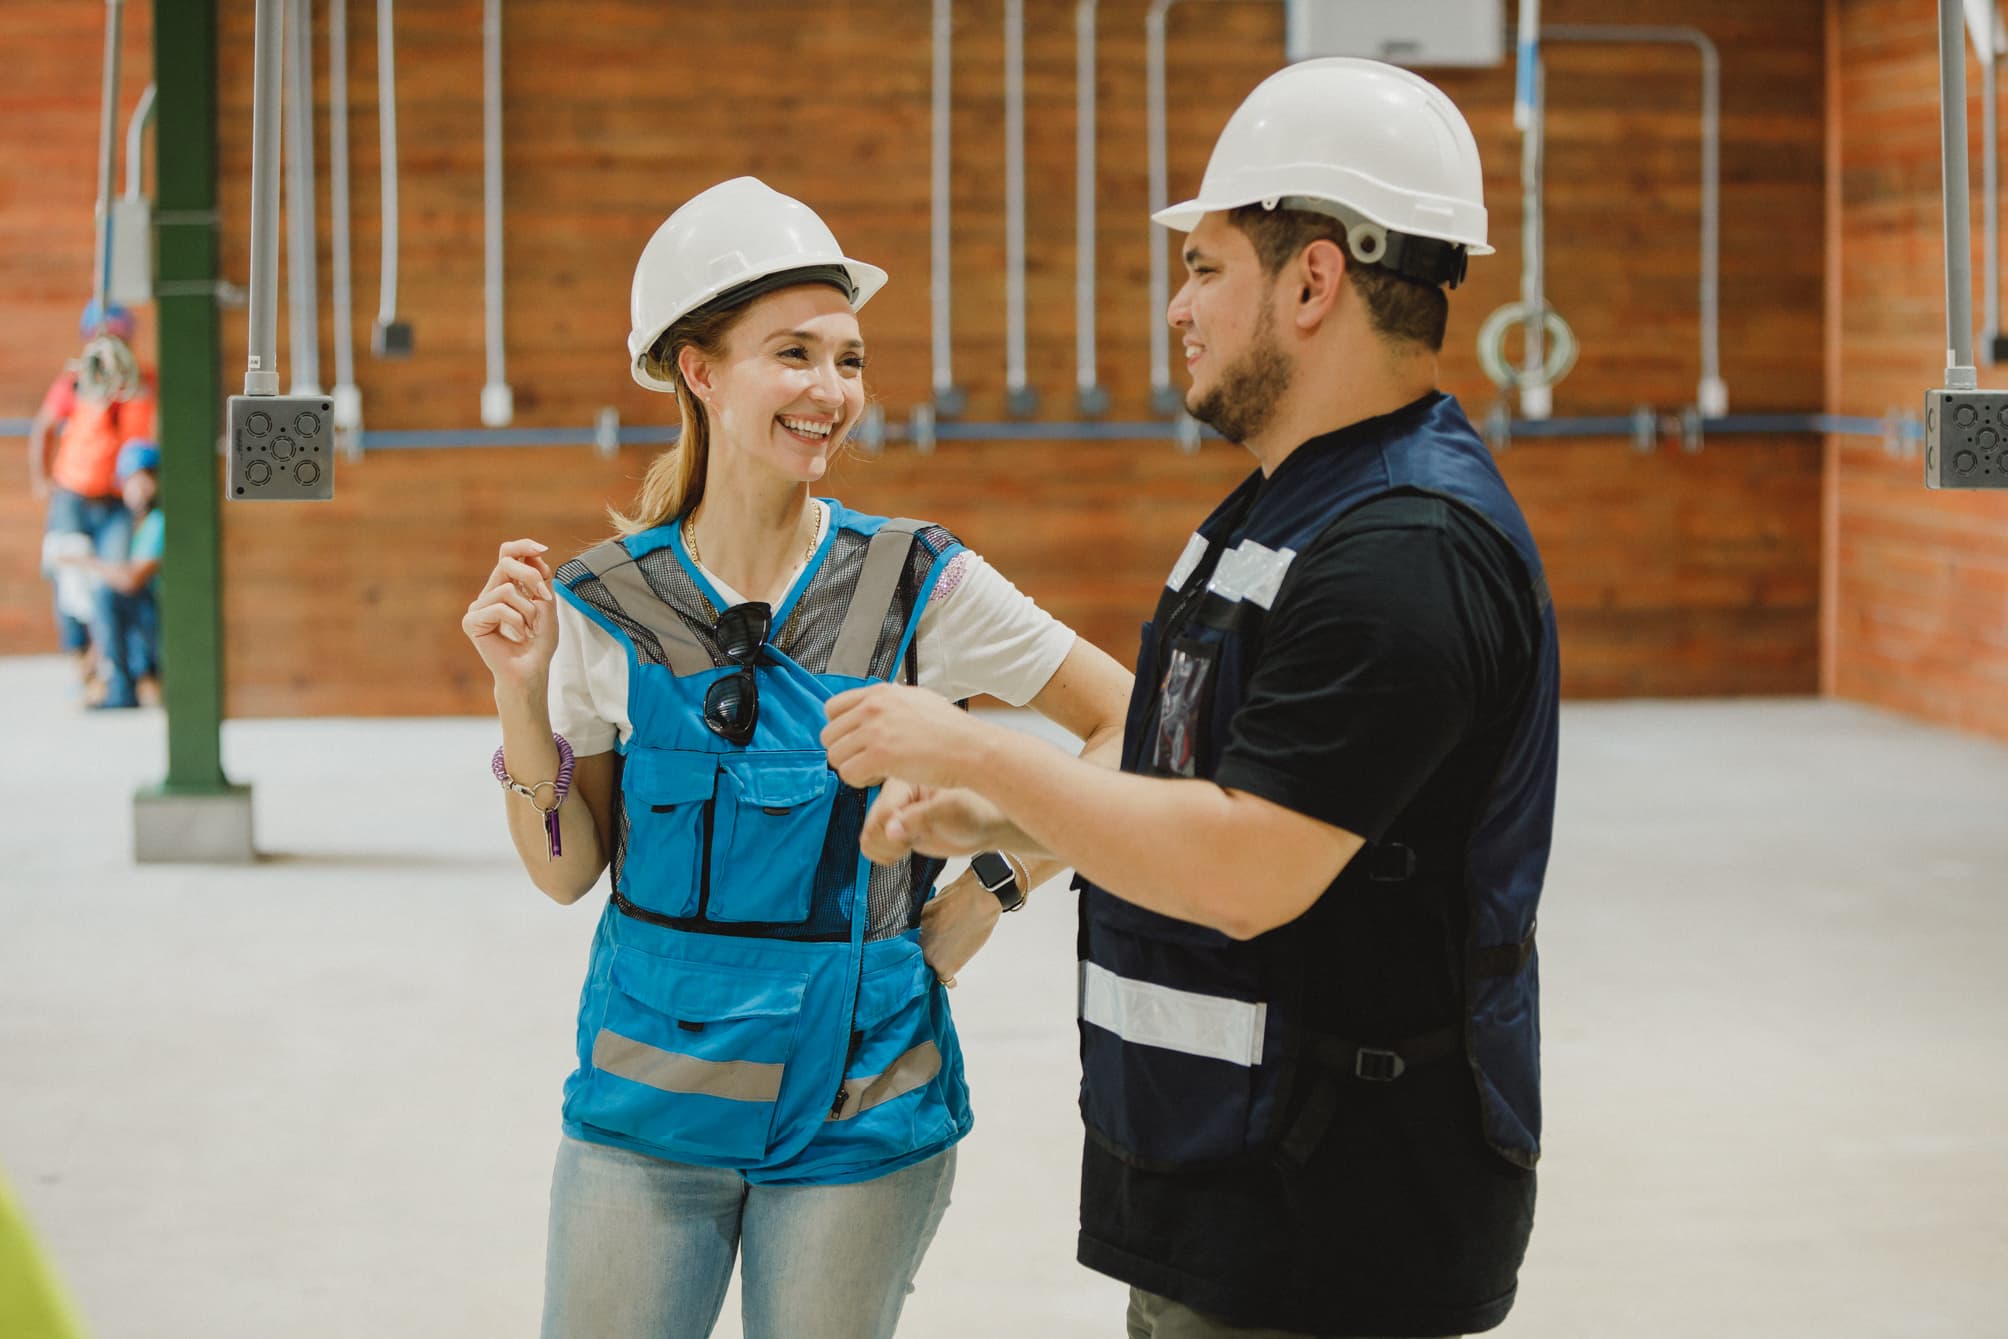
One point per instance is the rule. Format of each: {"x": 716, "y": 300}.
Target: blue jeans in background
{"x": 126, "y": 630}
{"x": 641, "y": 1248}
{"x": 108, "y": 523}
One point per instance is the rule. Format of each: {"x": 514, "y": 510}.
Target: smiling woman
{"x": 767, "y": 1063}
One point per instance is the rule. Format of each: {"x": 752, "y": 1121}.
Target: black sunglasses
{"x": 732, "y": 703}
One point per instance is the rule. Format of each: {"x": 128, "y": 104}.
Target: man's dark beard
{"x": 1245, "y": 397}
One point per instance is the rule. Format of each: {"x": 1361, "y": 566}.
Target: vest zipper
{"x": 704, "y": 865}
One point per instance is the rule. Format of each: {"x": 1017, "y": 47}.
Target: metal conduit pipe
{"x": 1712, "y": 393}
{"x": 261, "y": 367}
{"x": 346, "y": 397}
{"x": 302, "y": 264}
{"x": 1959, "y": 370}
{"x": 1983, "y": 26}
{"x": 108, "y": 119}
{"x": 1019, "y": 397}
{"x": 1164, "y": 397}
{"x": 1617, "y": 427}
{"x": 498, "y": 402}
{"x": 948, "y": 398}
{"x": 392, "y": 337}
{"x": 135, "y": 149}
{"x": 1090, "y": 399}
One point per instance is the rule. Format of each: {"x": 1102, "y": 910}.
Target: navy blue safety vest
{"x": 756, "y": 997}
{"x": 1198, "y": 1049}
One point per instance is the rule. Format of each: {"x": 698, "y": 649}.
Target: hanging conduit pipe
{"x": 108, "y": 115}
{"x": 1959, "y": 371}
{"x": 347, "y": 397}
{"x": 131, "y": 240}
{"x": 261, "y": 367}
{"x": 498, "y": 402}
{"x": 1089, "y": 398}
{"x": 1712, "y": 394}
{"x": 1530, "y": 114}
{"x": 135, "y": 150}
{"x": 392, "y": 337}
{"x": 948, "y": 399}
{"x": 1019, "y": 397}
{"x": 302, "y": 269}
{"x": 1983, "y": 25}
{"x": 1164, "y": 397}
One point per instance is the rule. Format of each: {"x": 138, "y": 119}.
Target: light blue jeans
{"x": 641, "y": 1248}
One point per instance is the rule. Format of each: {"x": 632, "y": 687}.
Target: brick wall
{"x": 1919, "y": 579}
{"x": 1674, "y": 574}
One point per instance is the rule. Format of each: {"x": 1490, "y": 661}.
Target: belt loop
{"x": 1378, "y": 1066}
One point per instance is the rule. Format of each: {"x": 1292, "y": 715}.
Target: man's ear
{"x": 1319, "y": 273}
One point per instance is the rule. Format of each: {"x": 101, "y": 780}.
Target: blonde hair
{"x": 675, "y": 479}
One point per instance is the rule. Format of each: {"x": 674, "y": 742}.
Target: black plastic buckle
{"x": 1377, "y": 1066}
{"x": 1391, "y": 862}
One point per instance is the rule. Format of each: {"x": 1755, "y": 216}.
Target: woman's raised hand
{"x": 513, "y": 622}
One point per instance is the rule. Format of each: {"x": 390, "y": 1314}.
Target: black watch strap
{"x": 993, "y": 871}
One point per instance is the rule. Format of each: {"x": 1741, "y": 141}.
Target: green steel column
{"x": 184, "y": 51}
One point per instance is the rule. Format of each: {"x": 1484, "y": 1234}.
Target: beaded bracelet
{"x": 559, "y": 789}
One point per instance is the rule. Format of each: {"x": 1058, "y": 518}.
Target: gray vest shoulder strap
{"x": 610, "y": 563}
{"x": 878, "y": 584}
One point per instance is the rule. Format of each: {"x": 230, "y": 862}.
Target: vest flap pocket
{"x": 773, "y": 813}
{"x": 668, "y": 776}
{"x": 777, "y": 784}
{"x": 689, "y": 1058}
{"x": 704, "y": 992}
{"x": 665, "y": 796}
{"x": 895, "y": 1055}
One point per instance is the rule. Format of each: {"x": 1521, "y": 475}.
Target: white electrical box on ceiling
{"x": 1404, "y": 32}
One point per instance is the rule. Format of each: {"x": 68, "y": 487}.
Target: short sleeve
{"x": 61, "y": 401}
{"x": 149, "y": 538}
{"x": 981, "y": 634}
{"x": 588, "y": 687}
{"x": 1376, "y": 661}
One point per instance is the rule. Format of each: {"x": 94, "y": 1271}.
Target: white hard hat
{"x": 1369, "y": 142}
{"x": 722, "y": 243}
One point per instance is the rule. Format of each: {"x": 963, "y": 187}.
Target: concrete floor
{"x": 317, "y": 1097}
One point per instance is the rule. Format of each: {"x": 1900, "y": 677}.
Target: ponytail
{"x": 675, "y": 480}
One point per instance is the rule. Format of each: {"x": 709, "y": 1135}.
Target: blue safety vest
{"x": 1199, "y": 1049}
{"x": 756, "y": 997}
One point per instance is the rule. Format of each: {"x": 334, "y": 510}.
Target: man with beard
{"x": 1308, "y": 1001}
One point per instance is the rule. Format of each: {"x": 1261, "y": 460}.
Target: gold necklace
{"x": 690, "y": 538}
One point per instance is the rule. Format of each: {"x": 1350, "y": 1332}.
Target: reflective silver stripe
{"x": 1177, "y": 1020}
{"x": 740, "y": 1080}
{"x": 609, "y": 561}
{"x": 912, "y": 1070}
{"x": 1252, "y": 572}
{"x": 1195, "y": 549}
{"x": 878, "y": 584}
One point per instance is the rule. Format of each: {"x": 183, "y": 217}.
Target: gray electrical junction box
{"x": 1965, "y": 439}
{"x": 282, "y": 448}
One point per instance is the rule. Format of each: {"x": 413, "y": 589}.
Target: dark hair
{"x": 1403, "y": 309}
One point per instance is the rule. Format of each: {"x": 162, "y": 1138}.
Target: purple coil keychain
{"x": 559, "y": 789}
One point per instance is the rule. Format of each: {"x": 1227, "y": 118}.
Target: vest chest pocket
{"x": 690, "y": 1057}
{"x": 1184, "y": 701}
{"x": 668, "y": 795}
{"x": 772, "y": 813}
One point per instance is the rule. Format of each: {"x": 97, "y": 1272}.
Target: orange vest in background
{"x": 87, "y": 452}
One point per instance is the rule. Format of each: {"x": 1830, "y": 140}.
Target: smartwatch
{"x": 993, "y": 871}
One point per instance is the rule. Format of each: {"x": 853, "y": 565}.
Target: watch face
{"x": 991, "y": 868}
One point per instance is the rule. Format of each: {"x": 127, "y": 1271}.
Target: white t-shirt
{"x": 978, "y": 634}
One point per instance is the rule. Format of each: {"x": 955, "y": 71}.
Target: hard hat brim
{"x": 866, "y": 281}
{"x": 1185, "y": 216}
